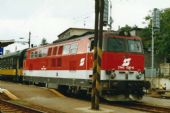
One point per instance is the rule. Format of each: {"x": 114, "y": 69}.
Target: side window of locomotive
{"x": 32, "y": 54}
{"x": 40, "y": 53}
{"x": 66, "y": 49}
{"x": 49, "y": 51}
{"x": 55, "y": 50}
{"x": 60, "y": 50}
{"x": 73, "y": 48}
{"x": 36, "y": 54}
{"x": 44, "y": 52}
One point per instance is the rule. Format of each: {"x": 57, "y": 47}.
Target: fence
{"x": 149, "y": 73}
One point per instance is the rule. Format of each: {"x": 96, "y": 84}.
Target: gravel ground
{"x": 42, "y": 97}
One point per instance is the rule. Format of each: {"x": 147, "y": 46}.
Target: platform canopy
{"x": 4, "y": 43}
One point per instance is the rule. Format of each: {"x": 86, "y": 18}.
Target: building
{"x": 73, "y": 31}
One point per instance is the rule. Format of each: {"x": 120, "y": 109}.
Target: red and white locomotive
{"x": 68, "y": 65}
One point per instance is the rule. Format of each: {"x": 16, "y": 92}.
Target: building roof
{"x": 74, "y": 36}
{"x": 4, "y": 43}
{"x": 74, "y": 29}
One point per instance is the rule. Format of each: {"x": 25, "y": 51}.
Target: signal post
{"x": 98, "y": 37}
{"x": 93, "y": 95}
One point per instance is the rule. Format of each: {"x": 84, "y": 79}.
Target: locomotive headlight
{"x": 139, "y": 76}
{"x": 113, "y": 74}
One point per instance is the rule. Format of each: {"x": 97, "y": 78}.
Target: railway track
{"x": 142, "y": 107}
{"x": 9, "y": 107}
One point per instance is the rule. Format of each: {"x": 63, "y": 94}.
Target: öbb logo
{"x": 126, "y": 62}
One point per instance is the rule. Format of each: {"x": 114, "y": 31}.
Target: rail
{"x": 142, "y": 107}
{"x": 9, "y": 107}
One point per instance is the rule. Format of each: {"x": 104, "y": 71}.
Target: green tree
{"x": 125, "y": 30}
{"x": 44, "y": 41}
{"x": 162, "y": 38}
{"x": 146, "y": 37}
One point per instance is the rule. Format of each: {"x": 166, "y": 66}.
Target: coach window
{"x": 49, "y": 51}
{"x": 11, "y": 62}
{"x": 66, "y": 49}
{"x": 73, "y": 48}
{"x": 55, "y": 50}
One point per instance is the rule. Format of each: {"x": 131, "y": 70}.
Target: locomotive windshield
{"x": 116, "y": 44}
{"x": 123, "y": 45}
{"x": 134, "y": 46}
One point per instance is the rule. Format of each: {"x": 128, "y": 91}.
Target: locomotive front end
{"x": 123, "y": 68}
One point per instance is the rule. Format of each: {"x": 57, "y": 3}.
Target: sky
{"x": 48, "y": 18}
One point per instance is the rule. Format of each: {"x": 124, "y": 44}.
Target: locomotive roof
{"x": 62, "y": 40}
{"x": 114, "y": 34}
{"x": 106, "y": 34}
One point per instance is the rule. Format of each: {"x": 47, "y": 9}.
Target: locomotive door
{"x": 89, "y": 58}
{"x": 72, "y": 57}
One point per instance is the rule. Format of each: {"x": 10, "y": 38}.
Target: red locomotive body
{"x": 67, "y": 64}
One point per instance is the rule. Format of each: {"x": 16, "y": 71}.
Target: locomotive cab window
{"x": 135, "y": 46}
{"x": 116, "y": 44}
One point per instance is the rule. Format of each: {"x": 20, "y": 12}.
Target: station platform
{"x": 38, "y": 96}
{"x": 4, "y": 43}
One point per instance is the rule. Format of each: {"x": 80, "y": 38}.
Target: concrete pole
{"x": 152, "y": 57}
